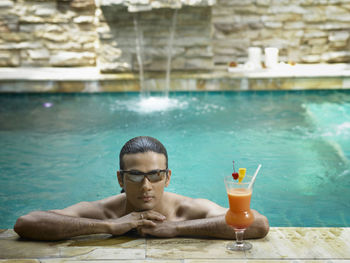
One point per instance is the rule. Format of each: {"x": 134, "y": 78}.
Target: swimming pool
{"x": 59, "y": 149}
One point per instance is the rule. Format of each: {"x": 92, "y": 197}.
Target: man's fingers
{"x": 152, "y": 215}
{"x": 144, "y": 230}
{"x": 145, "y": 222}
{"x": 140, "y": 232}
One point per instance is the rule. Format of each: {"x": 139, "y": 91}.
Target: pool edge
{"x": 282, "y": 243}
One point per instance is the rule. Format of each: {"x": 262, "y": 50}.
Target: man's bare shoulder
{"x": 175, "y": 197}
{"x": 101, "y": 209}
{"x": 112, "y": 206}
{"x": 187, "y": 208}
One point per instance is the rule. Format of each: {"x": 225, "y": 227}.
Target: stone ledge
{"x": 93, "y": 73}
{"x": 89, "y": 79}
{"x": 147, "y": 5}
{"x": 282, "y": 243}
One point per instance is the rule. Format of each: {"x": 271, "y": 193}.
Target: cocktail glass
{"x": 239, "y": 216}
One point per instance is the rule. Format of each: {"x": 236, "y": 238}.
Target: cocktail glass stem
{"x": 239, "y": 236}
{"x": 239, "y": 245}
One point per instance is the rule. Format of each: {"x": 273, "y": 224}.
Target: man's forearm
{"x": 208, "y": 227}
{"x": 42, "y": 225}
{"x": 217, "y": 227}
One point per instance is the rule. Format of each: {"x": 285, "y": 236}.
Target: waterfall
{"x": 170, "y": 51}
{"x": 139, "y": 54}
{"x": 150, "y": 104}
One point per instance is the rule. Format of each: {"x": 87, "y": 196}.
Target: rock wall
{"x": 305, "y": 31}
{"x": 47, "y": 33}
{"x": 76, "y": 33}
{"x": 122, "y": 34}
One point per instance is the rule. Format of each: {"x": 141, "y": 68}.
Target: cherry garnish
{"x": 235, "y": 176}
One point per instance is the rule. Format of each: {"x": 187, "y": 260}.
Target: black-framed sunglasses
{"x": 137, "y": 176}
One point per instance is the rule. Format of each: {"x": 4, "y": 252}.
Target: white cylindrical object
{"x": 271, "y": 57}
{"x": 254, "y": 57}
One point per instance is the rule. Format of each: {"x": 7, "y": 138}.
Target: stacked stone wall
{"x": 122, "y": 34}
{"x": 47, "y": 33}
{"x": 75, "y": 33}
{"x": 305, "y": 31}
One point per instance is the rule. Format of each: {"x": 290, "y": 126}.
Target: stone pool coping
{"x": 89, "y": 79}
{"x": 282, "y": 244}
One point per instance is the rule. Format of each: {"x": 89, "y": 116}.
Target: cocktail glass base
{"x": 243, "y": 246}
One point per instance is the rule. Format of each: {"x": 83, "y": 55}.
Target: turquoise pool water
{"x": 57, "y": 150}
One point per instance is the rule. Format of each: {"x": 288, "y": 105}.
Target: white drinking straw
{"x": 253, "y": 179}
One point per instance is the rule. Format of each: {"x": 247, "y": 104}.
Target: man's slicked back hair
{"x": 142, "y": 144}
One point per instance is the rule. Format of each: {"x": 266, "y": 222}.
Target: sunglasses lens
{"x": 152, "y": 177}
{"x": 135, "y": 178}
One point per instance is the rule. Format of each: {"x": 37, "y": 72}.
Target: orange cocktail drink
{"x": 239, "y": 215}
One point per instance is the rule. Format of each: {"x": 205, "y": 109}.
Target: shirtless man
{"x": 144, "y": 207}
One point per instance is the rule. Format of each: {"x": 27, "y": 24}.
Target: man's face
{"x": 144, "y": 195}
